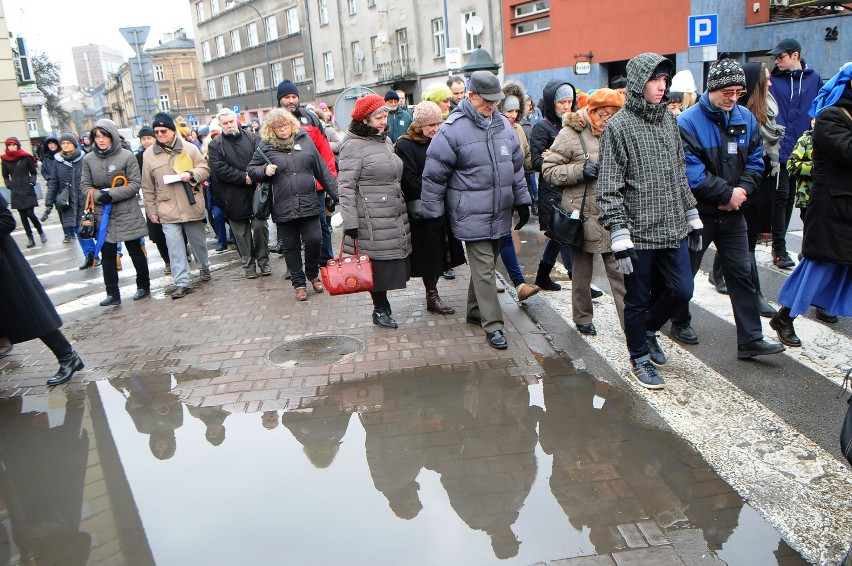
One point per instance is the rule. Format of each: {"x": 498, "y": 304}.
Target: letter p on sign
{"x": 703, "y": 30}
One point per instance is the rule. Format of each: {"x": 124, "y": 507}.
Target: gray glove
{"x": 622, "y": 248}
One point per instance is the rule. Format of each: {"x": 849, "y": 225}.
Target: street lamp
{"x": 247, "y": 3}
{"x": 174, "y": 82}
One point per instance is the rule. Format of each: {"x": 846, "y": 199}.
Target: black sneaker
{"x": 654, "y": 349}
{"x": 782, "y": 260}
{"x": 646, "y": 374}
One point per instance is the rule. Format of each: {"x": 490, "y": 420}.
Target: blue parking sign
{"x": 703, "y": 30}
{"x": 236, "y": 109}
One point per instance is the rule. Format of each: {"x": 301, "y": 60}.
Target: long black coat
{"x": 20, "y": 178}
{"x": 229, "y": 159}
{"x": 25, "y": 309}
{"x": 67, "y": 173}
{"x": 828, "y": 224}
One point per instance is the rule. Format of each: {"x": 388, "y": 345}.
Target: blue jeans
{"x": 552, "y": 250}
{"x": 220, "y": 226}
{"x": 674, "y": 267}
{"x": 326, "y": 251}
{"x": 510, "y": 260}
{"x": 88, "y": 246}
{"x": 532, "y": 186}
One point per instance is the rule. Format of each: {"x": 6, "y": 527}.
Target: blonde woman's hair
{"x": 275, "y": 116}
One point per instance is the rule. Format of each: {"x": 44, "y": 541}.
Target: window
{"x": 328, "y": 65}
{"x": 251, "y": 31}
{"x": 199, "y": 11}
{"x": 226, "y": 86}
{"x": 235, "y": 40}
{"x": 257, "y": 73}
{"x": 271, "y": 28}
{"x": 220, "y": 46}
{"x": 205, "y": 50}
{"x": 376, "y": 48}
{"x": 322, "y": 8}
{"x": 439, "y": 38}
{"x": 402, "y": 42}
{"x": 298, "y": 69}
{"x": 32, "y": 126}
{"x": 159, "y": 75}
{"x": 531, "y": 8}
{"x": 358, "y": 57}
{"x": 469, "y": 39}
{"x": 532, "y": 26}
{"x": 211, "y": 89}
{"x": 371, "y": 3}
{"x": 164, "y": 103}
{"x": 292, "y": 20}
{"x": 277, "y": 73}
{"x": 241, "y": 83}
{"x": 214, "y": 8}
{"x": 353, "y": 7}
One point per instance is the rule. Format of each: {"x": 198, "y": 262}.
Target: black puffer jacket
{"x": 294, "y": 192}
{"x": 20, "y": 178}
{"x": 67, "y": 173}
{"x": 229, "y": 157}
{"x": 543, "y": 135}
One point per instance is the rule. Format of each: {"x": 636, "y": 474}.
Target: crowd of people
{"x": 656, "y": 170}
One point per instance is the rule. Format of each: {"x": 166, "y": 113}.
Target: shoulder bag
{"x": 89, "y": 226}
{"x": 564, "y": 228}
{"x": 63, "y": 198}
{"x": 350, "y": 274}
{"x": 846, "y": 427}
{"x": 261, "y": 203}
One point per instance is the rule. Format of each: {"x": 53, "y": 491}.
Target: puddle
{"x": 429, "y": 468}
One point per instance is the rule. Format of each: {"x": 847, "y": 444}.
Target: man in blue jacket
{"x": 724, "y": 165}
{"x": 475, "y": 172}
{"x": 794, "y": 87}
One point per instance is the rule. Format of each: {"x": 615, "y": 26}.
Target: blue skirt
{"x": 820, "y": 284}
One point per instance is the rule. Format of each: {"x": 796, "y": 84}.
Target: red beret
{"x": 367, "y": 105}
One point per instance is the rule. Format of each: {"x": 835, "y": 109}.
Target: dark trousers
{"x": 110, "y": 267}
{"x": 672, "y": 265}
{"x": 782, "y": 210}
{"x": 291, "y": 234}
{"x": 729, "y": 235}
{"x": 58, "y": 344}
{"x": 326, "y": 251}
{"x": 27, "y": 215}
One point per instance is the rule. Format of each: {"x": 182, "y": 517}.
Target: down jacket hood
{"x": 516, "y": 89}
{"x": 109, "y": 127}
{"x": 548, "y": 105}
{"x": 639, "y": 70}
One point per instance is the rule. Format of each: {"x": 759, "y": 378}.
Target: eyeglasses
{"x": 603, "y": 114}
{"x": 283, "y": 126}
{"x": 733, "y": 93}
{"x": 780, "y": 56}
{"x": 160, "y": 131}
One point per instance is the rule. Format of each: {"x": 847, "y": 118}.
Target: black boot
{"x": 383, "y": 317}
{"x": 67, "y": 367}
{"x": 782, "y": 324}
{"x": 88, "y": 262}
{"x": 543, "y": 280}
{"x": 30, "y": 241}
{"x": 763, "y": 307}
{"x": 717, "y": 276}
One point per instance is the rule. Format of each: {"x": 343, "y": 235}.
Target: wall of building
{"x": 12, "y": 121}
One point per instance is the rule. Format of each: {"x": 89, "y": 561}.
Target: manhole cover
{"x": 314, "y": 351}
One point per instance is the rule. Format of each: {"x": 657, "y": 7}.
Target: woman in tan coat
{"x": 572, "y": 165}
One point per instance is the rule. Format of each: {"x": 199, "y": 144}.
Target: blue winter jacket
{"x": 794, "y": 91}
{"x": 476, "y": 172}
{"x": 723, "y": 151}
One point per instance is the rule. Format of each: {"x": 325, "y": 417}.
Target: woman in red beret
{"x": 372, "y": 203}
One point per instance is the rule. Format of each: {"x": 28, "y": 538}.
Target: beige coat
{"x": 170, "y": 202}
{"x": 563, "y": 168}
{"x": 525, "y": 147}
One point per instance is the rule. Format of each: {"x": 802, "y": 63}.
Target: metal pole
{"x": 265, "y": 52}
{"x": 174, "y": 83}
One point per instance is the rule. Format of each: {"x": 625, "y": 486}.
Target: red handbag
{"x": 350, "y": 274}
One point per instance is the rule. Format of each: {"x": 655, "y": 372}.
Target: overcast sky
{"x": 54, "y": 26}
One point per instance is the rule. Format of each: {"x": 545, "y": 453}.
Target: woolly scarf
{"x": 771, "y": 132}
{"x": 15, "y": 155}
{"x": 287, "y": 144}
{"x": 70, "y": 157}
{"x": 168, "y": 148}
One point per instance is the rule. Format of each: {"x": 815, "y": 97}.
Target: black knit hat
{"x": 618, "y": 82}
{"x": 287, "y": 87}
{"x": 69, "y": 137}
{"x": 146, "y": 131}
{"x": 163, "y": 120}
{"x": 391, "y": 95}
{"x": 725, "y": 73}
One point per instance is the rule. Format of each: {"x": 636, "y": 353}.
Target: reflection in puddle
{"x": 466, "y": 467}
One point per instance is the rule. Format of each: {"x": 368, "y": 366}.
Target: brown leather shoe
{"x": 436, "y": 305}
{"x": 525, "y": 291}
{"x": 301, "y": 294}
{"x": 317, "y": 285}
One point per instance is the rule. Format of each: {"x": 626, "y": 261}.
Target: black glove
{"x": 331, "y": 203}
{"x": 694, "y": 242}
{"x": 104, "y": 198}
{"x": 590, "y": 171}
{"x": 523, "y": 216}
{"x": 46, "y": 214}
{"x": 351, "y": 232}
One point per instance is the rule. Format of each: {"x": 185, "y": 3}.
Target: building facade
{"x": 176, "y": 73}
{"x": 95, "y": 63}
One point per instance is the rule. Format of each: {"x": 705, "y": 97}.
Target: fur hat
{"x": 426, "y": 113}
{"x": 725, "y": 73}
{"x": 605, "y": 98}
{"x": 163, "y": 120}
{"x": 366, "y": 105}
{"x": 515, "y": 97}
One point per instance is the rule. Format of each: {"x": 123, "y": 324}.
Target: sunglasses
{"x": 733, "y": 93}
{"x": 160, "y": 131}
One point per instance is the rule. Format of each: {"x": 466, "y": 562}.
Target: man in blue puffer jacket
{"x": 724, "y": 166}
{"x": 475, "y": 172}
{"x": 794, "y": 86}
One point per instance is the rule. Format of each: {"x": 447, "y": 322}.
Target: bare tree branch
{"x": 47, "y": 77}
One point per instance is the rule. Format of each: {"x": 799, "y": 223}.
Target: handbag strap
{"x": 90, "y": 199}
{"x": 585, "y": 191}
{"x": 355, "y": 241}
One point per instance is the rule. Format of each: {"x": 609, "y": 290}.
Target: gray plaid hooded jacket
{"x": 642, "y": 184}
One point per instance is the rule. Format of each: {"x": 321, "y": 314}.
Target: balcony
{"x": 397, "y": 69}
